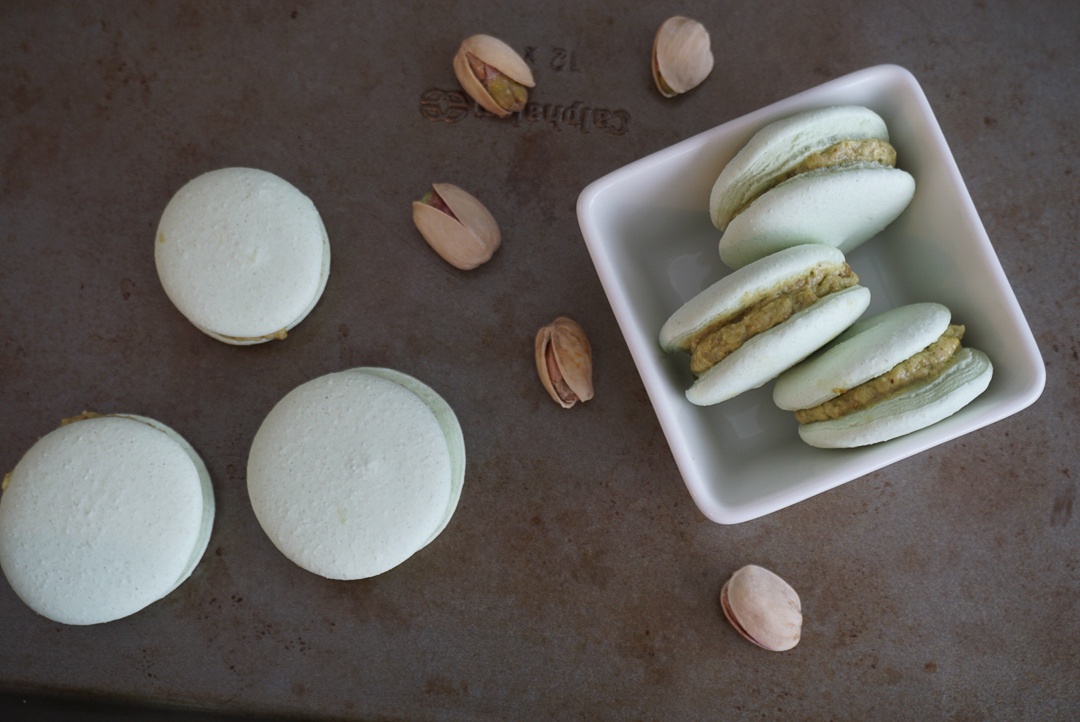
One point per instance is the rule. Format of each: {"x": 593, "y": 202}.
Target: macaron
{"x": 242, "y": 254}
{"x": 886, "y": 376}
{"x": 763, "y": 318}
{"x": 103, "y": 517}
{"x": 353, "y": 472}
{"x": 826, "y": 176}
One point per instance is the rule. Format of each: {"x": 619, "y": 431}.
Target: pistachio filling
{"x": 871, "y": 150}
{"x": 80, "y": 417}
{"x": 717, "y": 340}
{"x": 845, "y": 152}
{"x": 924, "y": 366}
{"x": 507, "y": 93}
{"x": 276, "y": 336}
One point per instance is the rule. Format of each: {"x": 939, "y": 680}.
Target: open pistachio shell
{"x": 500, "y": 56}
{"x": 682, "y": 56}
{"x": 564, "y": 361}
{"x": 467, "y": 236}
{"x": 763, "y": 608}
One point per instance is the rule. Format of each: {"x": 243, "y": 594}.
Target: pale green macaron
{"x": 352, "y": 473}
{"x": 103, "y": 517}
{"x": 243, "y": 254}
{"x": 887, "y": 376}
{"x": 763, "y": 353}
{"x": 826, "y": 176}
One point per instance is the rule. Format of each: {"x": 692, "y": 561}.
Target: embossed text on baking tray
{"x": 452, "y": 106}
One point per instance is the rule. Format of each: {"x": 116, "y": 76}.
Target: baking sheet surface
{"x": 576, "y": 579}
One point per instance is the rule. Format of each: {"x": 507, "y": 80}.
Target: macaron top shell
{"x": 742, "y": 288}
{"x": 242, "y": 254}
{"x": 865, "y": 351}
{"x": 103, "y": 517}
{"x": 351, "y": 473}
{"x": 781, "y": 146}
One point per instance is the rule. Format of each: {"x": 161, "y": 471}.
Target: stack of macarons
{"x": 800, "y": 194}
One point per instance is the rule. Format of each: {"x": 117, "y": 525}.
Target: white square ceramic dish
{"x": 648, "y": 231}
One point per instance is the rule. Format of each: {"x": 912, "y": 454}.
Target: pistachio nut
{"x": 457, "y": 226}
{"x": 564, "y": 361}
{"x": 681, "y": 57}
{"x": 493, "y": 74}
{"x": 763, "y": 608}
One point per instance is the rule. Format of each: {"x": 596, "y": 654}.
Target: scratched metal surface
{"x": 577, "y": 579}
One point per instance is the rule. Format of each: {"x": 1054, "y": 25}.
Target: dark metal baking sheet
{"x": 576, "y": 579}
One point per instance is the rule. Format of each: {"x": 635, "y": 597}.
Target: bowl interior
{"x": 648, "y": 231}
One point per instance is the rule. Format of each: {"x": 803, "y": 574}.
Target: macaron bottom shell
{"x": 103, "y": 517}
{"x": 843, "y": 207}
{"x": 907, "y": 412}
{"x": 353, "y": 472}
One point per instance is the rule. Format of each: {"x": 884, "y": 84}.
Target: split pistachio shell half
{"x": 457, "y": 226}
{"x": 493, "y": 74}
{"x": 763, "y": 608}
{"x": 682, "y": 56}
{"x": 564, "y": 361}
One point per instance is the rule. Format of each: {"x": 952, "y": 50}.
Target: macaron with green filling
{"x": 762, "y": 319}
{"x": 885, "y": 377}
{"x": 827, "y": 175}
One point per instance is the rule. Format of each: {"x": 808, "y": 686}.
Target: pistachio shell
{"x": 763, "y": 608}
{"x": 465, "y": 239}
{"x": 497, "y": 54}
{"x": 682, "y": 56}
{"x": 564, "y": 361}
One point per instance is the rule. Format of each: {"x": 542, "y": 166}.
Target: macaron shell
{"x": 451, "y": 429}
{"x": 209, "y": 507}
{"x": 865, "y": 351}
{"x": 842, "y": 206}
{"x": 350, "y": 474}
{"x": 242, "y": 254}
{"x": 909, "y": 411}
{"x": 102, "y": 517}
{"x": 732, "y": 292}
{"x": 781, "y": 146}
{"x": 324, "y": 275}
{"x": 766, "y": 355}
